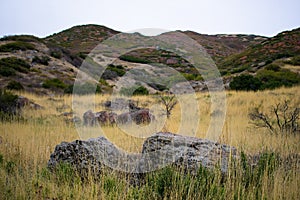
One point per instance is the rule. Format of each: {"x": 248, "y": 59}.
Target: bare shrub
{"x": 282, "y": 118}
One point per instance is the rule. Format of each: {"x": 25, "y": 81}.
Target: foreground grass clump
{"x": 26, "y": 145}
{"x": 243, "y": 181}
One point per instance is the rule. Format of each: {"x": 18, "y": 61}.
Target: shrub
{"x": 82, "y": 55}
{"x": 245, "y": 82}
{"x": 54, "y": 83}
{"x": 5, "y": 71}
{"x": 129, "y": 58}
{"x": 192, "y": 77}
{"x": 283, "y": 118}
{"x": 141, "y": 91}
{"x": 119, "y": 69}
{"x": 169, "y": 102}
{"x": 18, "y": 45}
{"x": 14, "y": 85}
{"x": 86, "y": 88}
{"x": 44, "y": 60}
{"x": 273, "y": 67}
{"x": 22, "y": 38}
{"x": 273, "y": 79}
{"x": 10, "y": 64}
{"x": 136, "y": 90}
{"x": 7, "y": 102}
{"x": 293, "y": 61}
{"x": 56, "y": 54}
{"x": 113, "y": 71}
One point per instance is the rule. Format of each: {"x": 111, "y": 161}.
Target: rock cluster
{"x": 135, "y": 114}
{"x": 158, "y": 150}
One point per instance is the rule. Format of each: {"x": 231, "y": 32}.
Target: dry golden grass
{"x": 45, "y": 128}
{"x": 32, "y": 141}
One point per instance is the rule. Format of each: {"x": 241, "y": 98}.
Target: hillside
{"x": 223, "y": 45}
{"x": 47, "y": 65}
{"x": 282, "y": 46}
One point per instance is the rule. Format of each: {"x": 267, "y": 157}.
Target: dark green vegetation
{"x": 14, "y": 85}
{"x": 18, "y": 45}
{"x": 245, "y": 82}
{"x": 113, "y": 71}
{"x": 10, "y": 65}
{"x": 242, "y": 181}
{"x": 135, "y": 90}
{"x": 294, "y": 61}
{"x": 21, "y": 38}
{"x": 7, "y": 103}
{"x": 271, "y": 77}
{"x": 54, "y": 84}
{"x": 44, "y": 60}
{"x": 86, "y": 88}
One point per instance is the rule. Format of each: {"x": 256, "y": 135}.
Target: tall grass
{"x": 26, "y": 145}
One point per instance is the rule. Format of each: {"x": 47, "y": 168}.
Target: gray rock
{"x": 158, "y": 151}
{"x": 190, "y": 152}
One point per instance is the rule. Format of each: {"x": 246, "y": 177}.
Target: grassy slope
{"x": 26, "y": 147}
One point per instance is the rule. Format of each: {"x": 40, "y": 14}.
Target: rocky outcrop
{"x": 158, "y": 151}
{"x": 142, "y": 116}
{"x": 135, "y": 114}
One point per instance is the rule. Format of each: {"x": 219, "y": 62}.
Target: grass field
{"x": 26, "y": 145}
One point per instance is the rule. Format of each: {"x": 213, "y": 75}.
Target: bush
{"x": 113, "y": 71}
{"x": 44, "y": 60}
{"x": 129, "y": 58}
{"x": 54, "y": 83}
{"x": 192, "y": 77}
{"x": 19, "y": 45}
{"x": 137, "y": 90}
{"x": 245, "y": 82}
{"x": 14, "y": 85}
{"x": 273, "y": 79}
{"x": 22, "y": 38}
{"x": 86, "y": 88}
{"x": 9, "y": 65}
{"x": 8, "y": 102}
{"x": 273, "y": 67}
{"x": 119, "y": 69}
{"x": 293, "y": 61}
{"x": 283, "y": 118}
{"x": 56, "y": 54}
{"x": 5, "y": 71}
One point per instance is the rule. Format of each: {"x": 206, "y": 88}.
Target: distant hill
{"x": 81, "y": 39}
{"x": 223, "y": 45}
{"x": 50, "y": 65}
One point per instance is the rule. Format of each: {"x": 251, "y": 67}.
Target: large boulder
{"x": 189, "y": 152}
{"x": 84, "y": 156}
{"x": 158, "y": 151}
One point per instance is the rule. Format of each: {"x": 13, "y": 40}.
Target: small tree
{"x": 169, "y": 103}
{"x": 282, "y": 118}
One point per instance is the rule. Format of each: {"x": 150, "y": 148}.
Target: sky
{"x": 45, "y": 17}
